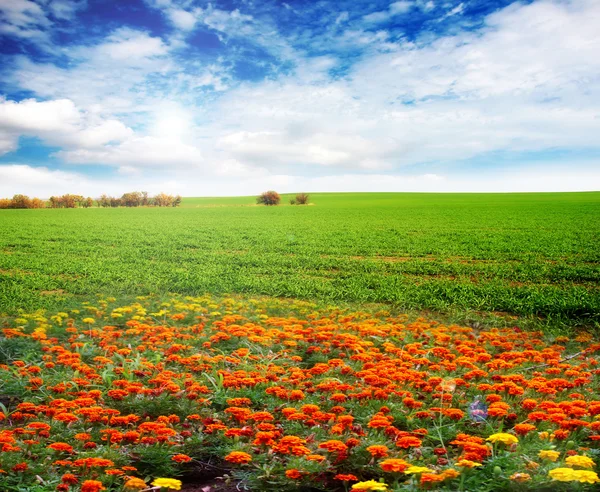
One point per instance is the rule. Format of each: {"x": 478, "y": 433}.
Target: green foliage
{"x": 531, "y": 255}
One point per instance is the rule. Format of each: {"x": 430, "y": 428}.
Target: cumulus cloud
{"x": 57, "y": 122}
{"x": 525, "y": 80}
{"x": 125, "y": 72}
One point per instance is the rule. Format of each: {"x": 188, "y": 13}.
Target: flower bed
{"x": 279, "y": 395}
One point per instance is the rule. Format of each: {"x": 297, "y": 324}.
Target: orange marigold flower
{"x": 294, "y": 474}
{"x": 408, "y": 442}
{"x": 61, "y": 446}
{"x": 347, "y": 477}
{"x": 69, "y": 478}
{"x": 334, "y": 446}
{"x": 92, "y": 486}
{"x": 91, "y": 462}
{"x": 394, "y": 465}
{"x": 20, "y": 467}
{"x": 135, "y": 484}
{"x": 378, "y": 451}
{"x": 238, "y": 457}
{"x": 523, "y": 429}
{"x": 181, "y": 458}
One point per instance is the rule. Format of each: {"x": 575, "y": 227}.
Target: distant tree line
{"x": 140, "y": 199}
{"x": 133, "y": 199}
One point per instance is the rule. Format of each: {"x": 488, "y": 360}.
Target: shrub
{"x": 302, "y": 198}
{"x": 269, "y": 198}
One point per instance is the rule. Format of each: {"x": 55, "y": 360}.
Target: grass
{"x": 535, "y": 256}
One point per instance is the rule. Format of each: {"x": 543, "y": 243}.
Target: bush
{"x": 302, "y": 198}
{"x": 269, "y": 198}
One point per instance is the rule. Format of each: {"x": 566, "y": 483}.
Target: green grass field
{"x": 536, "y": 256}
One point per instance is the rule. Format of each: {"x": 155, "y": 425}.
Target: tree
{"x": 38, "y": 203}
{"x": 163, "y": 200}
{"x": 104, "y": 201}
{"x": 268, "y": 198}
{"x": 20, "y": 201}
{"x": 302, "y": 198}
{"x": 132, "y": 199}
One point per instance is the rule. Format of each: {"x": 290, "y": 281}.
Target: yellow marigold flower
{"x": 520, "y": 477}
{"x": 135, "y": 484}
{"x": 467, "y": 464}
{"x": 562, "y": 474}
{"x": 167, "y": 483}
{"x": 503, "y": 437}
{"x": 450, "y": 473}
{"x": 570, "y": 475}
{"x": 581, "y": 461}
{"x": 89, "y": 321}
{"x": 370, "y": 485}
{"x": 549, "y": 455}
{"x": 585, "y": 476}
{"x": 417, "y": 469}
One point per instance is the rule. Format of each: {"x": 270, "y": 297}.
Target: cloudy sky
{"x": 233, "y": 97}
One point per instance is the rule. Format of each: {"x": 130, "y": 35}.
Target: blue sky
{"x": 235, "y": 97}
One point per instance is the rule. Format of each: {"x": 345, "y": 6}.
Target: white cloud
{"x": 32, "y": 116}
{"x": 182, "y": 19}
{"x": 66, "y": 9}
{"x": 139, "y": 151}
{"x": 115, "y": 76}
{"x": 23, "y": 18}
{"x": 57, "y": 122}
{"x": 343, "y": 17}
{"x": 32, "y": 21}
{"x": 394, "y": 9}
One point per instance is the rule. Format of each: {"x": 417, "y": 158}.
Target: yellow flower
{"x": 450, "y": 473}
{"x": 570, "y": 475}
{"x": 549, "y": 455}
{"x": 370, "y": 485}
{"x": 585, "y": 476}
{"x": 582, "y": 461}
{"x": 89, "y": 321}
{"x": 503, "y": 437}
{"x": 520, "y": 477}
{"x": 543, "y": 435}
{"x": 467, "y": 464}
{"x": 167, "y": 483}
{"x": 417, "y": 469}
{"x": 561, "y": 474}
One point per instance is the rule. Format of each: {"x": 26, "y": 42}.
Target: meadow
{"x": 535, "y": 256}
